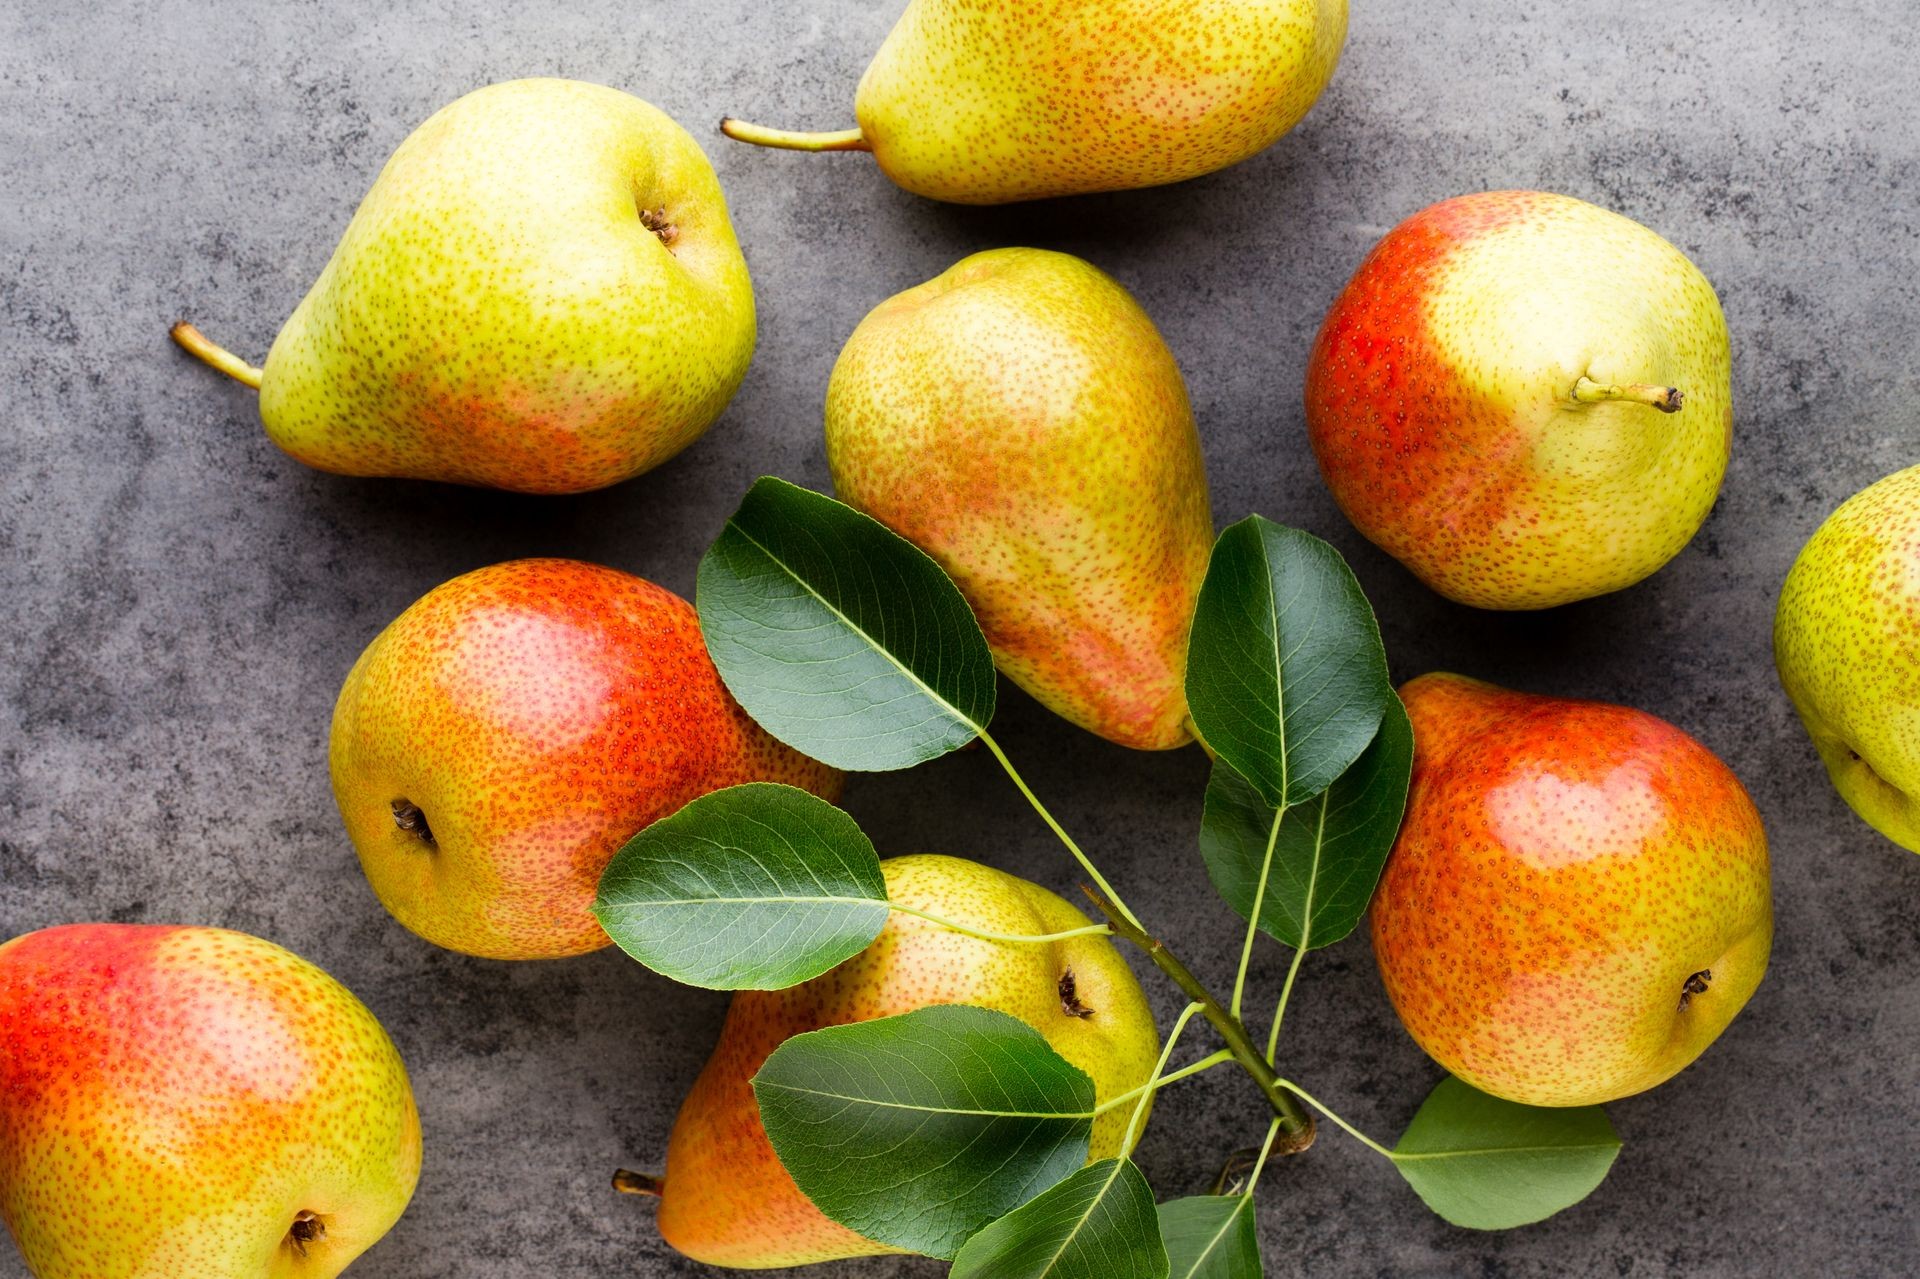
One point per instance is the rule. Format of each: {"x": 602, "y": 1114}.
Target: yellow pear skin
{"x": 727, "y": 1200}
{"x": 1846, "y": 638}
{"x": 1020, "y": 419}
{"x": 991, "y": 101}
{"x": 542, "y": 292}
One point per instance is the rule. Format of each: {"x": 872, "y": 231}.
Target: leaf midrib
{"x": 1214, "y": 1242}
{"x": 1405, "y": 1156}
{"x": 1085, "y": 1215}
{"x": 873, "y": 644}
{"x": 775, "y": 1086}
{"x": 1279, "y": 673}
{"x": 746, "y": 901}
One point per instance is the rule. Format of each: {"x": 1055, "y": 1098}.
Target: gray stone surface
{"x": 180, "y": 600}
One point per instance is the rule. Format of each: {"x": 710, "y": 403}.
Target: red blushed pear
{"x": 1019, "y": 418}
{"x": 193, "y": 1103}
{"x": 1525, "y": 399}
{"x": 1579, "y": 900}
{"x": 496, "y": 744}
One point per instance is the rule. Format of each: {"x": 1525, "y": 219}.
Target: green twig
{"x": 1295, "y": 1123}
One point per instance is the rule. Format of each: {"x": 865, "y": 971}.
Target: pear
{"x": 1020, "y": 419}
{"x": 1846, "y": 638}
{"x": 726, "y": 1200}
{"x": 193, "y": 1103}
{"x": 1579, "y": 900}
{"x": 495, "y": 745}
{"x": 989, "y": 101}
{"x": 1525, "y": 399}
{"x": 541, "y": 292}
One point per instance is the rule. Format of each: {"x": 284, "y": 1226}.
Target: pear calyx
{"x": 792, "y": 140}
{"x": 211, "y": 353}
{"x": 408, "y": 817}
{"x": 1695, "y": 984}
{"x": 1668, "y": 399}
{"x": 1070, "y": 997}
{"x": 307, "y": 1228}
{"x": 656, "y": 221}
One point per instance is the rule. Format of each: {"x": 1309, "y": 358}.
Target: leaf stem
{"x": 1253, "y": 916}
{"x": 1286, "y": 989}
{"x": 985, "y": 934}
{"x": 1153, "y": 1083}
{"x": 1321, "y": 1106}
{"x": 1296, "y": 1123}
{"x": 1086, "y": 863}
{"x": 1259, "y": 1165}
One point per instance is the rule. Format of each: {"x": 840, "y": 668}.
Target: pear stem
{"x": 794, "y": 140}
{"x": 1296, "y": 1123}
{"x": 209, "y": 352}
{"x": 1668, "y": 399}
{"x": 629, "y": 1182}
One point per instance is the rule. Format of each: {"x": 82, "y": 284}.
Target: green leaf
{"x": 1286, "y": 678}
{"x": 1489, "y": 1164}
{"x": 754, "y": 887}
{"x": 1097, "y": 1224}
{"x": 1329, "y": 851}
{"x": 1211, "y": 1237}
{"x": 918, "y": 1130}
{"x": 843, "y": 639}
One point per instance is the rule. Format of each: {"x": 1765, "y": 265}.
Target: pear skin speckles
{"x": 172, "y": 1100}
{"x": 728, "y": 1201}
{"x": 495, "y": 745}
{"x": 1579, "y": 901}
{"x": 1846, "y": 639}
{"x": 1439, "y": 399}
{"x": 1020, "y": 419}
{"x": 504, "y": 309}
{"x": 984, "y": 103}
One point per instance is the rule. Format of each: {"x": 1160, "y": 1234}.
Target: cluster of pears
{"x": 1523, "y": 398}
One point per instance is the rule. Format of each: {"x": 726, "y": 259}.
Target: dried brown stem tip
{"x": 629, "y": 1182}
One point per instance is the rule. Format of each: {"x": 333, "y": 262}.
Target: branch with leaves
{"x": 847, "y": 642}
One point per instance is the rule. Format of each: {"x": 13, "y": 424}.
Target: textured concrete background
{"x": 180, "y": 600}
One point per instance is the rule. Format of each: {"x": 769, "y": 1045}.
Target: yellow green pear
{"x": 1846, "y": 637}
{"x": 1524, "y": 398}
{"x": 1020, "y": 419}
{"x": 193, "y": 1103}
{"x": 542, "y": 292}
{"x": 989, "y": 101}
{"x": 726, "y": 1200}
